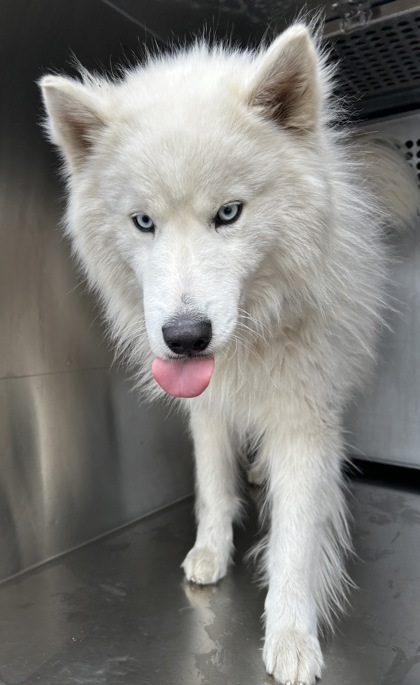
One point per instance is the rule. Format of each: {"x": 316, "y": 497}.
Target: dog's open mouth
{"x": 187, "y": 377}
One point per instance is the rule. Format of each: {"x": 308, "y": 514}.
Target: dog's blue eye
{"x": 144, "y": 223}
{"x": 227, "y": 214}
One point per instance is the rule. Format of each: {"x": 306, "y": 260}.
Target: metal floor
{"x": 117, "y": 612}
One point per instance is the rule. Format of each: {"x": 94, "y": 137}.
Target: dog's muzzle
{"x": 190, "y": 373}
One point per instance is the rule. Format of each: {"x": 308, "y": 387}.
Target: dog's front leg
{"x": 217, "y": 502}
{"x": 303, "y": 559}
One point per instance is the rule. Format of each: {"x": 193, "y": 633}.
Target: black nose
{"x": 186, "y": 335}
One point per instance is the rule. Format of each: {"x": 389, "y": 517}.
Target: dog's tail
{"x": 391, "y": 178}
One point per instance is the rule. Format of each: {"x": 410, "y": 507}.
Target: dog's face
{"x": 184, "y": 178}
{"x": 188, "y": 210}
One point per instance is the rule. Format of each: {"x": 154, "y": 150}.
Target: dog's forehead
{"x": 188, "y": 151}
{"x": 189, "y": 133}
{"x": 185, "y": 109}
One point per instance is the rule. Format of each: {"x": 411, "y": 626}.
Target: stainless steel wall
{"x": 78, "y": 455}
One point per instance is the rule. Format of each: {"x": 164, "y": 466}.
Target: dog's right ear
{"x": 75, "y": 117}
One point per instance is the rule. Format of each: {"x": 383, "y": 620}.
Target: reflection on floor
{"x": 117, "y": 611}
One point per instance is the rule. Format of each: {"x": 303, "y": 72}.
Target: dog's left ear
{"x": 287, "y": 84}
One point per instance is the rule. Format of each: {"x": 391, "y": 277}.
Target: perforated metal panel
{"x": 383, "y": 57}
{"x": 412, "y": 148}
{"x": 378, "y": 54}
{"x": 405, "y": 130}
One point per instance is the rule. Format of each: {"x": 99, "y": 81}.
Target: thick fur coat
{"x": 290, "y": 290}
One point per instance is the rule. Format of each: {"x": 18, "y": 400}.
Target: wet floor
{"x": 117, "y": 611}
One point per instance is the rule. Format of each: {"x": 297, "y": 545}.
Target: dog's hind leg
{"x": 304, "y": 554}
{"x": 217, "y": 502}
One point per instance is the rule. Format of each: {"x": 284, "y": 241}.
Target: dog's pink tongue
{"x": 183, "y": 378}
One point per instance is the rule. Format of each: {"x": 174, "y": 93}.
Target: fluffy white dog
{"x": 235, "y": 239}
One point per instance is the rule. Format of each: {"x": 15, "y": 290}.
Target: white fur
{"x": 294, "y": 288}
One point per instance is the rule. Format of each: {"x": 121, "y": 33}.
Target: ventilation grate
{"x": 405, "y": 130}
{"x": 412, "y": 154}
{"x": 381, "y": 59}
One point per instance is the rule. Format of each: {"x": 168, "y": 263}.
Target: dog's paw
{"x": 293, "y": 657}
{"x": 204, "y": 566}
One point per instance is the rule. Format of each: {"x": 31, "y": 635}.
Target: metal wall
{"x": 78, "y": 456}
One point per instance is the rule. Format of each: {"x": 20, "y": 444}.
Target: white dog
{"x": 234, "y": 237}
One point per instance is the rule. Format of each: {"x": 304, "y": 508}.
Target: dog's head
{"x": 195, "y": 193}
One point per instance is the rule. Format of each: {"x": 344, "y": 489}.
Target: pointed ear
{"x": 75, "y": 116}
{"x": 287, "y": 83}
